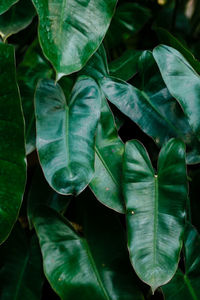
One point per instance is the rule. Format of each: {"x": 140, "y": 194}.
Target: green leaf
{"x": 18, "y": 17}
{"x": 82, "y": 267}
{"x": 182, "y": 81}
{"x": 126, "y": 66}
{"x": 132, "y": 16}
{"x": 109, "y": 149}
{"x": 71, "y": 31}
{"x": 12, "y": 152}
{"x": 66, "y": 133}
{"x": 21, "y": 272}
{"x": 168, "y": 39}
{"x": 41, "y": 193}
{"x": 5, "y": 5}
{"x": 186, "y": 285}
{"x": 155, "y": 210}
{"x": 32, "y": 68}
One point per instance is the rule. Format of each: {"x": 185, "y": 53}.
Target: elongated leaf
{"x": 109, "y": 149}
{"x": 18, "y": 17}
{"x": 182, "y": 81}
{"x": 5, "y": 5}
{"x": 82, "y": 267}
{"x": 186, "y": 285}
{"x": 30, "y": 70}
{"x": 168, "y": 39}
{"x": 126, "y": 66}
{"x": 155, "y": 210}
{"x": 68, "y": 39}
{"x": 66, "y": 133}
{"x": 21, "y": 275}
{"x": 12, "y": 152}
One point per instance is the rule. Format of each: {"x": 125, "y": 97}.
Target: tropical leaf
{"x": 155, "y": 206}
{"x": 32, "y": 68}
{"x": 182, "y": 81}
{"x": 12, "y": 152}
{"x": 66, "y": 133}
{"x": 82, "y": 267}
{"x": 69, "y": 39}
{"x": 5, "y": 5}
{"x": 109, "y": 149}
{"x": 18, "y": 17}
{"x": 185, "y": 285}
{"x": 21, "y": 271}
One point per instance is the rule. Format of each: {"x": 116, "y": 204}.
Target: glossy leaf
{"x": 155, "y": 206}
{"x": 12, "y": 152}
{"x": 168, "y": 39}
{"x": 109, "y": 149}
{"x": 186, "y": 285}
{"x": 182, "y": 81}
{"x": 32, "y": 68}
{"x": 21, "y": 273}
{"x": 5, "y": 5}
{"x": 82, "y": 267}
{"x": 126, "y": 66}
{"x": 18, "y": 17}
{"x": 69, "y": 39}
{"x": 66, "y": 133}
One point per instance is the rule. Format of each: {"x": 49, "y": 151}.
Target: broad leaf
{"x": 21, "y": 274}
{"x": 182, "y": 81}
{"x": 12, "y": 152}
{"x": 82, "y": 267}
{"x": 69, "y": 39}
{"x": 18, "y": 17}
{"x": 109, "y": 149}
{"x": 5, "y": 5}
{"x": 155, "y": 210}
{"x": 126, "y": 66}
{"x": 66, "y": 133}
{"x": 30, "y": 70}
{"x": 186, "y": 285}
{"x": 168, "y": 39}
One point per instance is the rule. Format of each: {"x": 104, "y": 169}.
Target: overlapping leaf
{"x": 182, "y": 81}
{"x": 185, "y": 285}
{"x": 82, "y": 267}
{"x": 18, "y": 17}
{"x": 5, "y": 5}
{"x": 155, "y": 210}
{"x": 21, "y": 272}
{"x": 66, "y": 133}
{"x": 70, "y": 31}
{"x": 109, "y": 149}
{"x": 12, "y": 152}
{"x": 30, "y": 70}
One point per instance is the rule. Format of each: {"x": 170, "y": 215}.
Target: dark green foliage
{"x": 99, "y": 149}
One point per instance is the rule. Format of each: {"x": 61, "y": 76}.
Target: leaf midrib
{"x": 190, "y": 288}
{"x": 94, "y": 267}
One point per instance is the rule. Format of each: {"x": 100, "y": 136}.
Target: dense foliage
{"x": 99, "y": 149}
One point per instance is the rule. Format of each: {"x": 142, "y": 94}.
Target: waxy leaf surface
{"x": 155, "y": 206}
{"x": 109, "y": 149}
{"x": 12, "y": 149}
{"x": 82, "y": 267}
{"x": 66, "y": 133}
{"x": 71, "y": 31}
{"x": 18, "y": 17}
{"x": 182, "y": 81}
{"x": 186, "y": 285}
